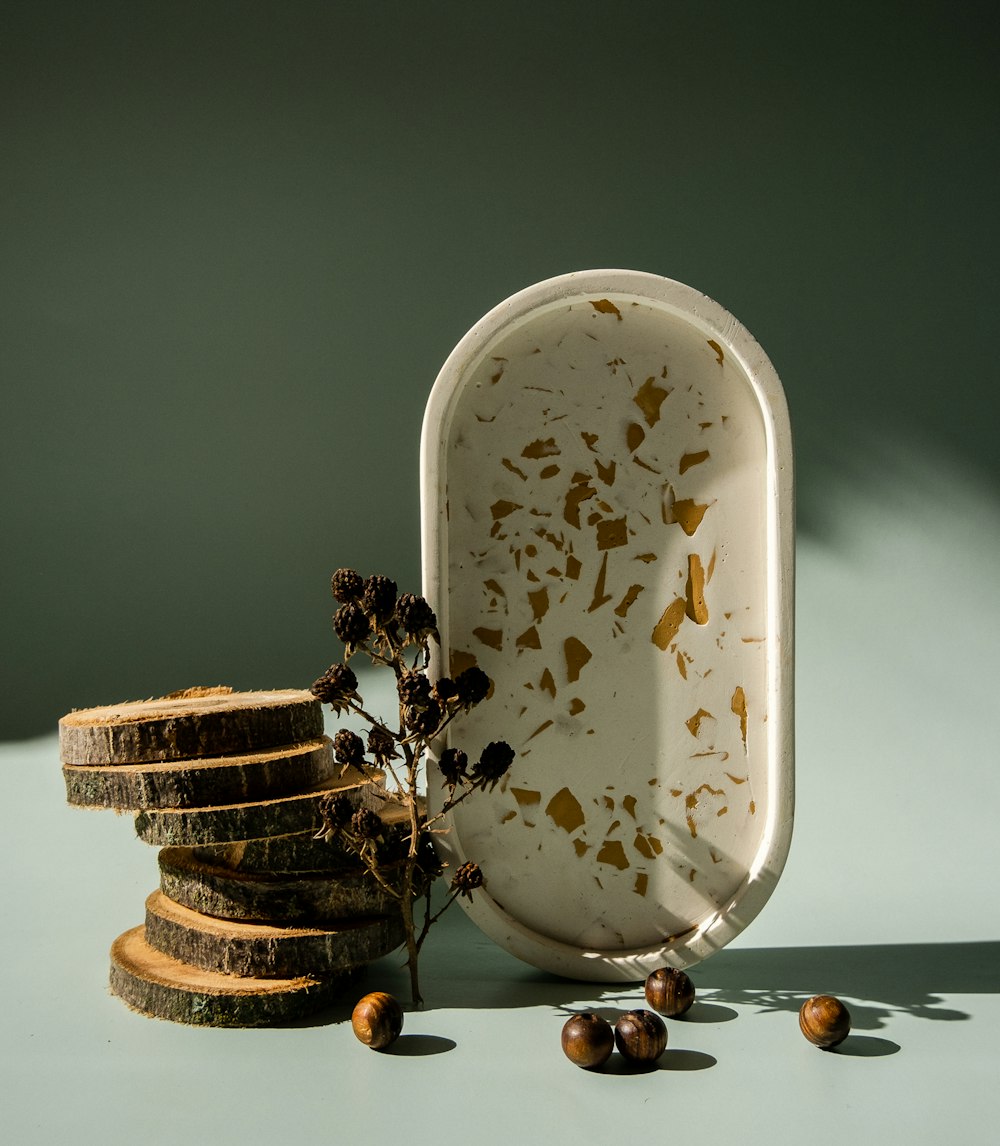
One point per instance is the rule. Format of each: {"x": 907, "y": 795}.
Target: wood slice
{"x": 300, "y": 852}
{"x": 201, "y": 783}
{"x": 250, "y": 821}
{"x": 165, "y": 988}
{"x": 291, "y": 897}
{"x": 183, "y": 726}
{"x": 265, "y": 951}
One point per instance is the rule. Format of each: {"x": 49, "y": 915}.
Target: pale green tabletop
{"x": 888, "y": 900}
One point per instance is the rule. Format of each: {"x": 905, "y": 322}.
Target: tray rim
{"x": 715, "y": 322}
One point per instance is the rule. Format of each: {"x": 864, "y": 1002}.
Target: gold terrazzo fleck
{"x": 529, "y": 639}
{"x": 694, "y": 722}
{"x": 565, "y": 811}
{"x": 681, "y": 665}
{"x": 541, "y": 728}
{"x": 547, "y": 683}
{"x": 695, "y": 459}
{"x": 503, "y": 508}
{"x": 526, "y": 796}
{"x": 641, "y": 883}
{"x": 628, "y": 803}
{"x": 548, "y": 471}
{"x": 635, "y": 435}
{"x": 643, "y": 846}
{"x": 739, "y": 707}
{"x": 668, "y": 624}
{"x": 576, "y": 706}
{"x": 626, "y": 603}
{"x": 645, "y": 558}
{"x": 495, "y": 587}
{"x": 612, "y": 534}
{"x": 577, "y": 655}
{"x": 696, "y": 608}
{"x": 737, "y": 779}
{"x": 539, "y": 601}
{"x": 508, "y": 816}
{"x": 600, "y": 596}
{"x": 649, "y": 398}
{"x": 580, "y": 847}
{"x": 613, "y": 853}
{"x": 589, "y": 440}
{"x": 575, "y": 496}
{"x": 606, "y": 306}
{"x": 508, "y": 464}
{"x": 718, "y": 350}
{"x": 541, "y": 448}
{"x": 531, "y": 575}
{"x": 491, "y": 637}
{"x": 607, "y": 473}
{"x": 460, "y": 661}
{"x": 573, "y": 567}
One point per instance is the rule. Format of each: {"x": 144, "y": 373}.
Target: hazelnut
{"x": 825, "y": 1021}
{"x": 587, "y": 1040}
{"x": 669, "y": 991}
{"x": 377, "y": 1020}
{"x": 641, "y": 1036}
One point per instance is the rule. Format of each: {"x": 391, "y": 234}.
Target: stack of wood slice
{"x": 256, "y": 921}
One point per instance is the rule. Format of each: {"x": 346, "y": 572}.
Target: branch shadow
{"x": 879, "y": 980}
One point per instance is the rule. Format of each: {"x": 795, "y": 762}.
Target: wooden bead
{"x": 825, "y": 1021}
{"x": 641, "y": 1036}
{"x": 377, "y": 1020}
{"x": 669, "y": 991}
{"x": 587, "y": 1040}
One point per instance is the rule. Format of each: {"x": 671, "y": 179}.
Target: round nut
{"x": 587, "y": 1040}
{"x": 825, "y": 1021}
{"x": 669, "y": 991}
{"x": 377, "y": 1020}
{"x": 641, "y": 1036}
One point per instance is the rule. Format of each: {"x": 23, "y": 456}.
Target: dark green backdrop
{"x": 239, "y": 239}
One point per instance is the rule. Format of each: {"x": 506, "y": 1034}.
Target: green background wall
{"x": 237, "y": 241}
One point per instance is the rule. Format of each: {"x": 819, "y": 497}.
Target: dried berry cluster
{"x": 394, "y": 630}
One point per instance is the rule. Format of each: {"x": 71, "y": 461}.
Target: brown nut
{"x": 825, "y": 1021}
{"x": 587, "y": 1040}
{"x": 669, "y": 991}
{"x": 641, "y": 1036}
{"x": 377, "y": 1020}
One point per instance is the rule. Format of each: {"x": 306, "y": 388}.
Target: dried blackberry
{"x": 473, "y": 685}
{"x": 351, "y": 624}
{"x": 454, "y": 764}
{"x": 467, "y": 879}
{"x": 365, "y": 824}
{"x": 428, "y": 861}
{"x": 445, "y": 691}
{"x": 336, "y": 686}
{"x": 414, "y": 689}
{"x": 349, "y": 749}
{"x": 415, "y": 616}
{"x": 381, "y": 745}
{"x": 335, "y": 810}
{"x": 379, "y": 598}
{"x": 424, "y": 721}
{"x": 492, "y": 765}
{"x": 347, "y": 585}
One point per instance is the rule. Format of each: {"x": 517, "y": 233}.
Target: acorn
{"x": 377, "y": 1020}
{"x": 669, "y": 991}
{"x": 641, "y": 1037}
{"x": 587, "y": 1040}
{"x": 825, "y": 1021}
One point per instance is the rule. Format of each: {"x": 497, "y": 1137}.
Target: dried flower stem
{"x": 372, "y": 620}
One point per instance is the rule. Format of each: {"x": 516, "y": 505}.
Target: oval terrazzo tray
{"x": 607, "y": 523}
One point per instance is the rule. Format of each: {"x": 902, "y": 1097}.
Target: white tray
{"x": 608, "y": 532}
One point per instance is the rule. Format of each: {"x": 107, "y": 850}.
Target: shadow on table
{"x": 878, "y": 980}
{"x": 461, "y": 968}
